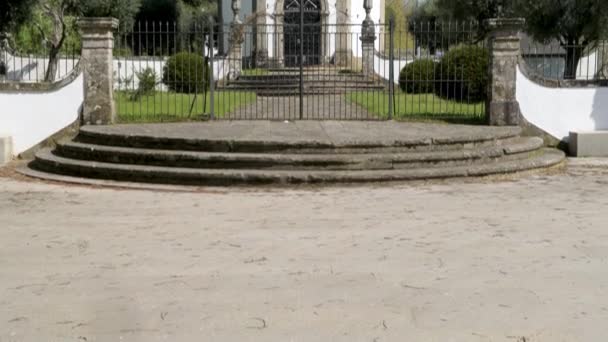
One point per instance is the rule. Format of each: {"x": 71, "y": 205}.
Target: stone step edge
{"x": 87, "y": 135}
{"x": 141, "y": 156}
{"x": 163, "y": 175}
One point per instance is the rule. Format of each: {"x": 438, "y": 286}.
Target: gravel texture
{"x": 515, "y": 259}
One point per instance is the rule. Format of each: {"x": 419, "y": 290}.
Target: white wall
{"x": 126, "y": 69}
{"x": 558, "y": 111}
{"x": 29, "y": 68}
{"x": 382, "y": 67}
{"x": 30, "y": 118}
{"x": 357, "y": 15}
{"x": 588, "y": 67}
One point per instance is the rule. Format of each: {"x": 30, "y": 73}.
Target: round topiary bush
{"x": 418, "y": 77}
{"x": 462, "y": 74}
{"x": 186, "y": 73}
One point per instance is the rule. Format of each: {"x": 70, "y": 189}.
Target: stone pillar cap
{"x": 97, "y": 23}
{"x": 505, "y": 23}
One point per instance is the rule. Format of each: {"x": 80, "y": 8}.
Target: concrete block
{"x": 589, "y": 144}
{"x": 6, "y": 150}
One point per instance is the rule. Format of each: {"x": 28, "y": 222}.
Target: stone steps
{"x": 516, "y": 149}
{"x": 48, "y": 162}
{"x": 347, "y": 138}
{"x": 307, "y": 84}
{"x": 316, "y": 82}
{"x": 227, "y": 153}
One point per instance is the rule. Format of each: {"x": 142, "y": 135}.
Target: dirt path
{"x": 521, "y": 260}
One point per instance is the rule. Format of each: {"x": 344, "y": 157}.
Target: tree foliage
{"x": 13, "y": 13}
{"x": 123, "y": 10}
{"x": 575, "y": 24}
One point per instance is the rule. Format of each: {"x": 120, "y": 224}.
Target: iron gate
{"x": 311, "y": 70}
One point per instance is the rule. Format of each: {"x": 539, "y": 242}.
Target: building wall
{"x": 355, "y": 16}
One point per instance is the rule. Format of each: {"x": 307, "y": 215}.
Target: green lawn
{"x": 168, "y": 106}
{"x": 419, "y": 107}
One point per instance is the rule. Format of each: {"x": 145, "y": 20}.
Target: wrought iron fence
{"x": 442, "y": 71}
{"x": 300, "y": 71}
{"x": 562, "y": 61}
{"x": 35, "y": 60}
{"x": 162, "y": 72}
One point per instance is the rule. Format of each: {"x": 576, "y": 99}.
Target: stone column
{"x": 368, "y": 39}
{"x": 279, "y": 41}
{"x": 96, "y": 61}
{"x": 502, "y": 108}
{"x": 261, "y": 42}
{"x": 344, "y": 50}
{"x": 235, "y": 54}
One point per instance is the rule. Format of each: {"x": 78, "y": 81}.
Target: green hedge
{"x": 463, "y": 72}
{"x": 418, "y": 77}
{"x": 186, "y": 73}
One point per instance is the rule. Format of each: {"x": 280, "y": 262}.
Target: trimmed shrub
{"x": 418, "y": 77}
{"x": 146, "y": 84}
{"x": 462, "y": 74}
{"x": 186, "y": 73}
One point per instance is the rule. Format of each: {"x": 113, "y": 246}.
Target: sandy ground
{"x": 518, "y": 260}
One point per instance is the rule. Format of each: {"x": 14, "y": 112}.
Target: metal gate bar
{"x": 294, "y": 71}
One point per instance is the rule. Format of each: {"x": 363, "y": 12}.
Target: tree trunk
{"x": 51, "y": 71}
{"x": 574, "y": 52}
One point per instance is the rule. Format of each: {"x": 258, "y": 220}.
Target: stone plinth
{"x": 589, "y": 144}
{"x": 368, "y": 39}
{"x": 235, "y": 54}
{"x": 97, "y": 45}
{"x": 504, "y": 43}
{"x": 6, "y": 150}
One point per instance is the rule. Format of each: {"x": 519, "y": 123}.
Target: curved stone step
{"x": 48, "y": 162}
{"x": 283, "y": 161}
{"x": 302, "y": 138}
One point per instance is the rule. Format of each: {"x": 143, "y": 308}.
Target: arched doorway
{"x": 312, "y": 29}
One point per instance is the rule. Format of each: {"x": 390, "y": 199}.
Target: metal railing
{"x": 35, "y": 61}
{"x": 558, "y": 61}
{"x": 441, "y": 68}
{"x": 298, "y": 71}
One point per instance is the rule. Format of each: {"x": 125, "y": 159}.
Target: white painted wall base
{"x": 559, "y": 111}
{"x": 30, "y": 118}
{"x": 6, "y": 150}
{"x": 589, "y": 144}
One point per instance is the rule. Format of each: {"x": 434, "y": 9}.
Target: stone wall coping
{"x": 40, "y": 87}
{"x": 98, "y": 23}
{"x": 505, "y": 23}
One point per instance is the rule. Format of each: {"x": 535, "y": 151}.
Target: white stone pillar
{"x": 344, "y": 50}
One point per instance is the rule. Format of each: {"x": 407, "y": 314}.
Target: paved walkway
{"x": 518, "y": 260}
{"x": 316, "y": 107}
